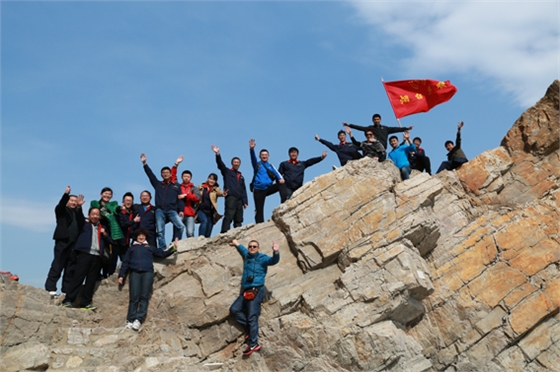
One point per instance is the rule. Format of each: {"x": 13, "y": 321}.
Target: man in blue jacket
{"x": 247, "y": 306}
{"x": 345, "y": 151}
{"x": 234, "y": 184}
{"x": 399, "y": 154}
{"x": 263, "y": 183}
{"x": 293, "y": 170}
{"x": 167, "y": 201}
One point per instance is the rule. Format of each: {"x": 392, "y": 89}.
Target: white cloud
{"x": 512, "y": 44}
{"x": 38, "y": 217}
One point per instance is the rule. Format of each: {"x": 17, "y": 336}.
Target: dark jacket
{"x": 256, "y": 266}
{"x": 147, "y": 219}
{"x": 140, "y": 258}
{"x": 84, "y": 239}
{"x": 381, "y": 132}
{"x": 64, "y": 216}
{"x": 126, "y": 222}
{"x": 456, "y": 154}
{"x": 234, "y": 182}
{"x": 345, "y": 151}
{"x": 166, "y": 192}
{"x": 372, "y": 149}
{"x": 293, "y": 171}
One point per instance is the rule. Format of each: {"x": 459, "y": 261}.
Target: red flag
{"x": 413, "y": 96}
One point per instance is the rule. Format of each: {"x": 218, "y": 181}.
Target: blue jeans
{"x": 206, "y": 224}
{"x": 188, "y": 221}
{"x": 247, "y": 314}
{"x": 139, "y": 289}
{"x": 163, "y": 216}
{"x": 405, "y": 172}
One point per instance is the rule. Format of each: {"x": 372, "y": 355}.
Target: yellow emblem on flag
{"x": 405, "y": 99}
{"x": 419, "y": 96}
{"x": 440, "y": 85}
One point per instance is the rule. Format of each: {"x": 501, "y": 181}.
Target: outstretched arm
{"x": 458, "y": 139}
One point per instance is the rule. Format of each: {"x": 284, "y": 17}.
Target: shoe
{"x": 67, "y": 304}
{"x": 334, "y": 167}
{"x": 129, "y": 325}
{"x": 52, "y": 293}
{"x": 89, "y": 307}
{"x": 136, "y": 325}
{"x": 251, "y": 349}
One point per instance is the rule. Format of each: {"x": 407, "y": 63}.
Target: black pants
{"x": 423, "y": 164}
{"x": 259, "y": 197}
{"x": 233, "y": 212}
{"x": 62, "y": 250}
{"x": 87, "y": 267}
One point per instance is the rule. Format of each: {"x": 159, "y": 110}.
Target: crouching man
{"x": 247, "y": 306}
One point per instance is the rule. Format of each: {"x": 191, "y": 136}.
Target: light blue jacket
{"x": 399, "y": 156}
{"x": 256, "y": 266}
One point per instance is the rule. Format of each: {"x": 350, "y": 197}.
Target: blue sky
{"x": 87, "y": 86}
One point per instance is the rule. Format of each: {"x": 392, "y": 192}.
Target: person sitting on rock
{"x": 418, "y": 159}
{"x": 399, "y": 154}
{"x": 371, "y": 147}
{"x": 139, "y": 262}
{"x": 247, "y": 306}
{"x": 345, "y": 151}
{"x": 455, "y": 157}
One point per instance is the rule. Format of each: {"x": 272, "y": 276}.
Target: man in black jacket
{"x": 69, "y": 221}
{"x": 381, "y": 131}
{"x": 293, "y": 170}
{"x": 234, "y": 184}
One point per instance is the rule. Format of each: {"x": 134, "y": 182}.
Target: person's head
{"x": 370, "y": 136}
{"x": 212, "y": 179}
{"x": 394, "y": 142}
{"x": 106, "y": 194}
{"x": 342, "y": 136}
{"x": 449, "y": 145}
{"x": 253, "y": 247}
{"x": 186, "y": 176}
{"x": 141, "y": 235}
{"x": 376, "y": 119}
{"x": 293, "y": 152}
{"x": 166, "y": 173}
{"x": 263, "y": 155}
{"x": 417, "y": 141}
{"x": 235, "y": 163}
{"x": 72, "y": 202}
{"x": 127, "y": 200}
{"x": 145, "y": 197}
{"x": 94, "y": 215}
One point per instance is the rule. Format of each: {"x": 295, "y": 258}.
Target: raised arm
{"x": 354, "y": 126}
{"x": 458, "y": 139}
{"x": 219, "y": 162}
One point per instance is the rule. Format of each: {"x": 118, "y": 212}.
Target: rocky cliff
{"x": 454, "y": 272}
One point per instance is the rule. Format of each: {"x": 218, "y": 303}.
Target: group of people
{"x": 89, "y": 248}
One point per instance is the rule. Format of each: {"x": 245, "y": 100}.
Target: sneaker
{"x": 136, "y": 325}
{"x": 334, "y": 167}
{"x": 129, "y": 325}
{"x": 67, "y": 304}
{"x": 52, "y": 293}
{"x": 251, "y": 349}
{"x": 89, "y": 307}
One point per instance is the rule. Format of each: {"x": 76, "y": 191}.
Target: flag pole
{"x": 391, "y": 102}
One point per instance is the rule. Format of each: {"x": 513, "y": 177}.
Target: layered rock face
{"x": 454, "y": 272}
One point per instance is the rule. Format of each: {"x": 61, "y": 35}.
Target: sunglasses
{"x": 253, "y": 246}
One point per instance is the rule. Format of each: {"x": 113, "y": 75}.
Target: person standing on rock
{"x": 234, "y": 184}
{"x": 293, "y": 170}
{"x": 247, "y": 306}
{"x": 69, "y": 222}
{"x": 139, "y": 262}
{"x": 399, "y": 154}
{"x": 371, "y": 147}
{"x": 345, "y": 151}
{"x": 381, "y": 131}
{"x": 455, "y": 157}
{"x": 263, "y": 183}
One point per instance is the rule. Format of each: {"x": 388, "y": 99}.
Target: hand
{"x": 81, "y": 200}
{"x": 225, "y": 193}
{"x": 345, "y": 124}
{"x": 234, "y": 243}
{"x": 316, "y": 137}
{"x": 67, "y": 191}
{"x": 175, "y": 245}
{"x": 179, "y": 159}
{"x": 406, "y": 136}
{"x": 102, "y": 230}
{"x": 281, "y": 180}
{"x": 324, "y": 155}
{"x": 252, "y": 144}
{"x": 216, "y": 149}
{"x": 348, "y": 130}
{"x": 121, "y": 280}
{"x": 244, "y": 206}
{"x": 182, "y": 196}
{"x": 410, "y": 128}
{"x": 181, "y": 214}
{"x": 143, "y": 158}
{"x": 376, "y": 158}
{"x": 137, "y": 218}
{"x": 275, "y": 246}
{"x": 460, "y": 125}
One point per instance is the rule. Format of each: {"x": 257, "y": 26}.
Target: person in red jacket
{"x": 191, "y": 197}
